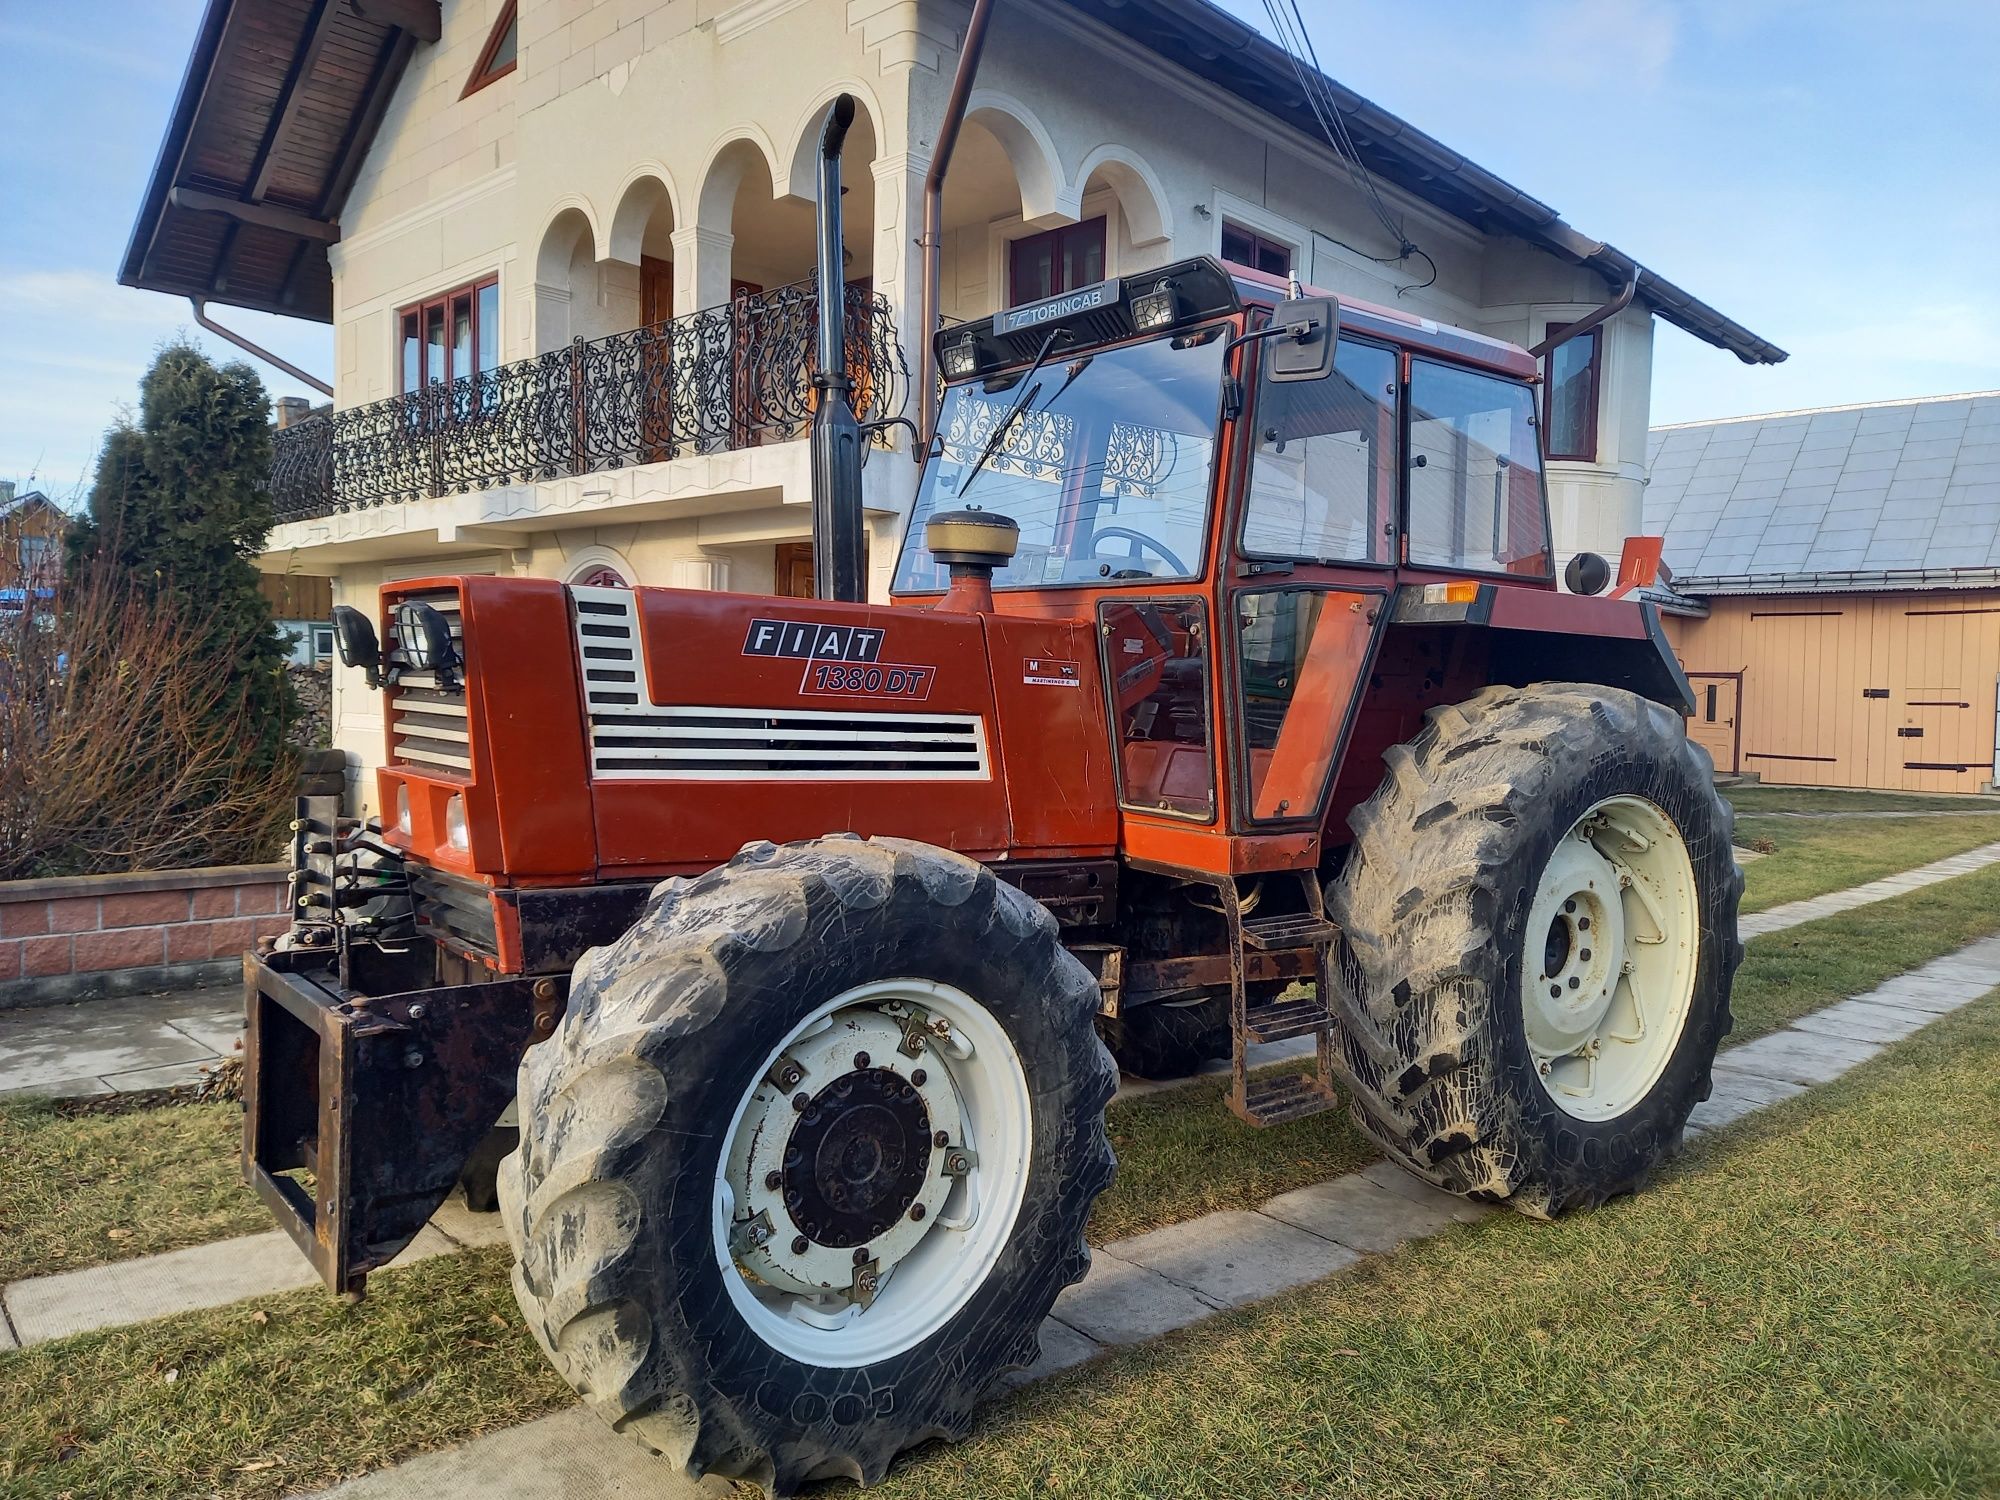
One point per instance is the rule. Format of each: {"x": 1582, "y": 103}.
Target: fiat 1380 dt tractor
{"x": 1225, "y": 695}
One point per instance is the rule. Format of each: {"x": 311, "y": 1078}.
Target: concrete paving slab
{"x": 1357, "y": 1213}
{"x": 1932, "y": 993}
{"x": 1796, "y": 1057}
{"x": 92, "y": 1047}
{"x": 466, "y": 1227}
{"x": 1392, "y": 1178}
{"x": 158, "y": 1286}
{"x": 1062, "y": 1348}
{"x": 218, "y": 1029}
{"x": 1236, "y": 1258}
{"x": 1119, "y": 1302}
{"x": 573, "y": 1455}
{"x": 59, "y": 1088}
{"x": 167, "y": 1076}
{"x": 155, "y": 1286}
{"x": 1861, "y": 1021}
{"x": 1736, "y": 1095}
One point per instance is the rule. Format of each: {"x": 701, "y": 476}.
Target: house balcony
{"x": 711, "y": 384}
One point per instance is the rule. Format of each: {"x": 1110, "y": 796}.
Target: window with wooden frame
{"x": 1054, "y": 262}
{"x": 501, "y": 52}
{"x": 448, "y": 338}
{"x": 1245, "y": 247}
{"x": 1569, "y": 400}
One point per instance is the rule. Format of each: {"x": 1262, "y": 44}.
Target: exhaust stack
{"x": 836, "y": 436}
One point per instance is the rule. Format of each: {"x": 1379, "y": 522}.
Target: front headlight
{"x": 399, "y": 815}
{"x": 454, "y": 824}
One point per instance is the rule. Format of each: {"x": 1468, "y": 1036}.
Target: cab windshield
{"x": 1106, "y": 468}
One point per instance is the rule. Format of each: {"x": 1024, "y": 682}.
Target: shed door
{"x": 1713, "y": 726}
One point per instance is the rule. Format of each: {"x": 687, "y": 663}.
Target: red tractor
{"x": 1226, "y": 696}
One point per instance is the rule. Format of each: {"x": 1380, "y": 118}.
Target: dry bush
{"x": 123, "y": 748}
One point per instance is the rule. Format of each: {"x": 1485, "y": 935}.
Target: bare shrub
{"x": 123, "y": 744}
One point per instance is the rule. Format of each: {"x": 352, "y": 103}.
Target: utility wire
{"x": 1295, "y": 41}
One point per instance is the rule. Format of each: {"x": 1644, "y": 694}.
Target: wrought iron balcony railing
{"x": 727, "y": 377}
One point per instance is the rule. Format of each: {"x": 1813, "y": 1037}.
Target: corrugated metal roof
{"x": 1904, "y": 495}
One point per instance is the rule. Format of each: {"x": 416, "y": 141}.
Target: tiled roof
{"x": 1909, "y": 485}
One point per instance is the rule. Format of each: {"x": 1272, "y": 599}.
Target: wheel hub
{"x": 1609, "y": 963}
{"x": 840, "y": 1165}
{"x": 1578, "y": 912}
{"x": 857, "y": 1158}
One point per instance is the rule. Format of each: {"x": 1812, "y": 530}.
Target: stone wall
{"x": 87, "y": 936}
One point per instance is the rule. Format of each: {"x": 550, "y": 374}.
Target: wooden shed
{"x": 1837, "y": 590}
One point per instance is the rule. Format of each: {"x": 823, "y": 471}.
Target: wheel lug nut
{"x": 1575, "y": 983}
{"x": 916, "y": 1213}
{"x": 771, "y": 1180}
{"x": 800, "y": 1101}
{"x": 1583, "y": 924}
{"x": 1569, "y": 906}
{"x": 800, "y": 1244}
{"x": 861, "y": 1255}
{"x": 861, "y": 1059}
{"x": 941, "y": 1139}
{"x": 918, "y": 1077}
{"x": 1585, "y": 955}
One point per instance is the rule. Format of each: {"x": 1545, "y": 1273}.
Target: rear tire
{"x": 666, "y": 1109}
{"x": 1465, "y": 977}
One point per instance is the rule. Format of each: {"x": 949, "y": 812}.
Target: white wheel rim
{"x": 1608, "y": 961}
{"x": 806, "y": 1296}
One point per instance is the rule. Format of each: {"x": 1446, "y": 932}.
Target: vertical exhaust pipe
{"x": 947, "y": 142}
{"x": 836, "y": 436}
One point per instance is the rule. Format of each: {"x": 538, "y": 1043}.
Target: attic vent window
{"x": 498, "y": 56}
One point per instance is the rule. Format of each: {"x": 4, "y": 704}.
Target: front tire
{"x": 1538, "y": 923}
{"x": 752, "y": 1229}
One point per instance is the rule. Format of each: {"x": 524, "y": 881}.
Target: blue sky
{"x": 1823, "y": 171}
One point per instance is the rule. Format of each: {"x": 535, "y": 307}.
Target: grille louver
{"x": 427, "y": 725}
{"x": 632, "y": 738}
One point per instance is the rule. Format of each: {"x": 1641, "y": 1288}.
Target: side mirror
{"x": 1304, "y": 351}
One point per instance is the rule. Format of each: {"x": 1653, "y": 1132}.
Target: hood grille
{"x": 633, "y": 738}
{"x": 427, "y": 725}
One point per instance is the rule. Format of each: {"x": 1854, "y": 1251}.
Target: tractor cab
{"x": 1241, "y": 491}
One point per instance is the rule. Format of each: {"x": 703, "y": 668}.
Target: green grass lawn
{"x": 81, "y": 1189}
{"x": 1808, "y": 1305}
{"x": 1770, "y": 799}
{"x": 1814, "y": 856}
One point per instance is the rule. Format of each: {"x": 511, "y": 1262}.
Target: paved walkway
{"x": 118, "y": 1046}
{"x": 1793, "y": 913}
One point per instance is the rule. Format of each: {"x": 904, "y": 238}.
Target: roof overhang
{"x": 1215, "y": 46}
{"x": 1853, "y": 581}
{"x": 276, "y": 111}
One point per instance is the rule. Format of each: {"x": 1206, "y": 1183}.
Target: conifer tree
{"x": 180, "y": 508}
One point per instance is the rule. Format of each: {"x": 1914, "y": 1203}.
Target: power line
{"x": 1294, "y": 39}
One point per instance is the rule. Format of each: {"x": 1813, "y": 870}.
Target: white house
{"x": 561, "y": 243}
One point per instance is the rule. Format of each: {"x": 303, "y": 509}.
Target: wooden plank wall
{"x": 294, "y": 596}
{"x": 1893, "y": 691}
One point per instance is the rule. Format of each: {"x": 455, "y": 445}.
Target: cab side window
{"x": 1323, "y": 483}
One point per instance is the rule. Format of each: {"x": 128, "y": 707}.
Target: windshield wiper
{"x": 1000, "y": 428}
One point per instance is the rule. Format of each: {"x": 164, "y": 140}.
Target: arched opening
{"x": 565, "y": 275}
{"x": 1008, "y": 234}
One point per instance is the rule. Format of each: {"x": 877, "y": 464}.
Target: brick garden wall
{"x": 77, "y": 937}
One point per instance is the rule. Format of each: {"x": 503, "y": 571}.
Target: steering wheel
{"x": 1139, "y": 542}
